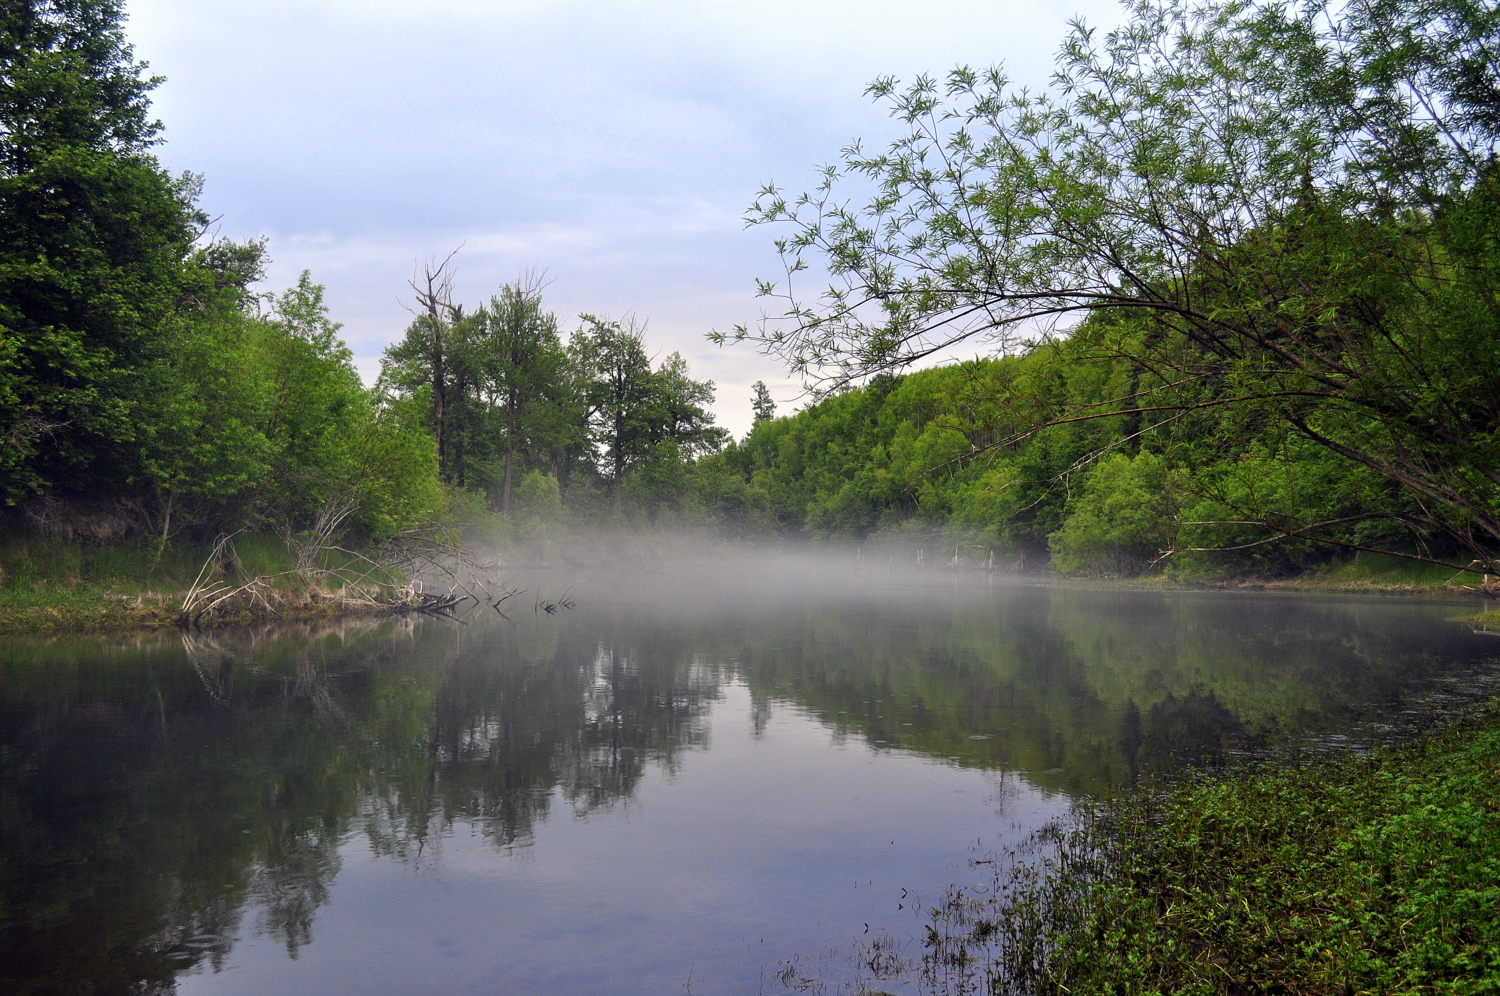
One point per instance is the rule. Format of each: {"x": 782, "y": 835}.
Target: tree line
{"x": 148, "y": 387}
{"x": 1239, "y": 268}
{"x": 507, "y": 396}
{"x": 1280, "y": 220}
{"x": 924, "y": 459}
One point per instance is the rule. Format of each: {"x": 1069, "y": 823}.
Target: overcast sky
{"x": 614, "y": 145}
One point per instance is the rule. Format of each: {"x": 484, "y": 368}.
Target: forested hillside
{"x": 943, "y": 457}
{"x": 1250, "y": 253}
{"x": 1232, "y": 326}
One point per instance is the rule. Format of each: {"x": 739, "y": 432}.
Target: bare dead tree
{"x": 327, "y": 529}
{"x": 433, "y": 287}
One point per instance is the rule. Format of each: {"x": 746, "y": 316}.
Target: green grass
{"x": 51, "y": 585}
{"x": 1365, "y": 573}
{"x": 1394, "y": 572}
{"x": 1377, "y": 874}
{"x": 30, "y": 563}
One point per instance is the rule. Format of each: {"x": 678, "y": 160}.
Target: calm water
{"x": 688, "y": 783}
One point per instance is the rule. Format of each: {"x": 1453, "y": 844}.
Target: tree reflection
{"x": 157, "y": 800}
{"x": 161, "y": 798}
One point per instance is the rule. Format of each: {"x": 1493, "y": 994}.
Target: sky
{"x": 614, "y": 146}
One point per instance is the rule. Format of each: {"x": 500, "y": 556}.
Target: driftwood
{"x": 387, "y": 578}
{"x": 412, "y": 598}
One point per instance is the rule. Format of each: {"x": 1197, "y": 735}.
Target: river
{"x": 711, "y": 780}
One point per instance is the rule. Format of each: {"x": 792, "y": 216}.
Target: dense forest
{"x": 1245, "y": 260}
{"x": 1226, "y": 326}
{"x": 145, "y": 386}
{"x": 150, "y": 389}
{"x": 912, "y": 459}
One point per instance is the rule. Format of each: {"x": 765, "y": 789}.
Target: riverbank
{"x": 1374, "y": 574}
{"x": 84, "y": 609}
{"x": 51, "y": 586}
{"x": 1375, "y": 873}
{"x": 1370, "y": 575}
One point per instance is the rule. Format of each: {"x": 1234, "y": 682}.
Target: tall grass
{"x": 49, "y": 584}
{"x": 39, "y": 564}
{"x": 1395, "y": 572}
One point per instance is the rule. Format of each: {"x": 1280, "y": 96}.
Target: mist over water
{"x": 701, "y": 774}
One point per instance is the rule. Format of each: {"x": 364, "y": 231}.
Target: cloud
{"x": 616, "y": 145}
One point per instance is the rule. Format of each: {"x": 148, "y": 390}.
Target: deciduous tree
{"x": 1292, "y": 211}
{"x": 95, "y": 239}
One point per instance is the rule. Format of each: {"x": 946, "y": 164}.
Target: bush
{"x": 1120, "y": 523}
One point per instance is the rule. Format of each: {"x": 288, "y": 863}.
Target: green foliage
{"x": 1291, "y": 483}
{"x": 1122, "y": 521}
{"x": 264, "y": 420}
{"x": 538, "y": 511}
{"x": 505, "y": 399}
{"x": 1291, "y": 211}
{"x": 95, "y": 240}
{"x": 203, "y": 437}
{"x": 500, "y": 393}
{"x": 137, "y": 370}
{"x": 947, "y": 455}
{"x": 539, "y": 497}
{"x": 641, "y": 419}
{"x": 522, "y": 357}
{"x": 333, "y": 441}
{"x": 617, "y": 373}
{"x": 762, "y": 406}
{"x": 1372, "y": 874}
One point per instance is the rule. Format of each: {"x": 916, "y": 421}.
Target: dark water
{"x": 688, "y": 783}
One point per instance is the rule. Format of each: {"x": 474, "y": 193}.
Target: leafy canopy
{"x": 1293, "y": 207}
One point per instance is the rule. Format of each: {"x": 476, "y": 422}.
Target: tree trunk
{"x": 510, "y": 449}
{"x": 166, "y": 531}
{"x": 439, "y": 377}
{"x": 459, "y": 394}
{"x": 619, "y": 464}
{"x": 434, "y": 294}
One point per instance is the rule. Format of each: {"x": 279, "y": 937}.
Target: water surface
{"x": 689, "y": 782}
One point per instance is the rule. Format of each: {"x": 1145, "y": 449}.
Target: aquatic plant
{"x": 1376, "y": 873}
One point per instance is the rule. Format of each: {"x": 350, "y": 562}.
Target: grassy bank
{"x": 51, "y": 585}
{"x": 1373, "y": 874}
{"x": 1381, "y": 573}
{"x": 1372, "y": 574}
